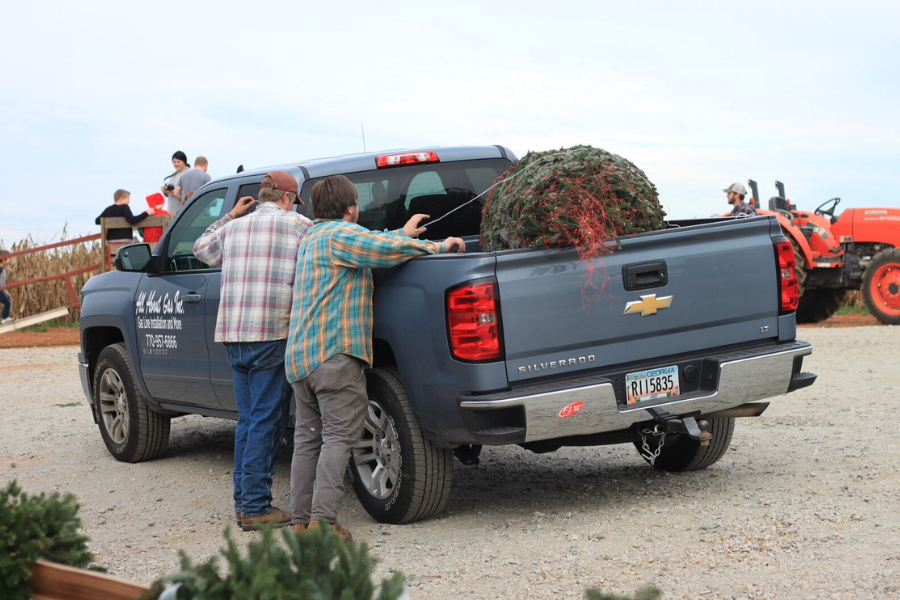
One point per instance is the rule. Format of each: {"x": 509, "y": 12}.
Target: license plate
{"x": 652, "y": 384}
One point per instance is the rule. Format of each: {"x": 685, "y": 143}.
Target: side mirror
{"x": 133, "y": 257}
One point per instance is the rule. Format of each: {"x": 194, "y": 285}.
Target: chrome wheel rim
{"x": 113, "y": 406}
{"x": 377, "y": 455}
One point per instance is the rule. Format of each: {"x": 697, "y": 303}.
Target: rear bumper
{"x": 531, "y": 413}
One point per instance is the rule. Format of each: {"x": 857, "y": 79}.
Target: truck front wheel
{"x": 131, "y": 431}
{"x": 398, "y": 475}
{"x": 681, "y": 453}
{"x": 881, "y": 286}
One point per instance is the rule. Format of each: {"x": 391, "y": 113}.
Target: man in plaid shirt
{"x": 258, "y": 254}
{"x": 330, "y": 342}
{"x": 735, "y": 195}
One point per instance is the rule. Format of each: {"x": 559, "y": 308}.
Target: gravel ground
{"x": 803, "y": 505}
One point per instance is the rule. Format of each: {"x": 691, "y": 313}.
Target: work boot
{"x": 237, "y": 517}
{"x": 277, "y": 517}
{"x": 300, "y": 528}
{"x": 339, "y": 529}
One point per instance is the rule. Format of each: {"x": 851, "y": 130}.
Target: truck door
{"x": 175, "y": 324}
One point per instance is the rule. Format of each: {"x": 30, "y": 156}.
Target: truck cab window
{"x": 424, "y": 184}
{"x": 197, "y": 216}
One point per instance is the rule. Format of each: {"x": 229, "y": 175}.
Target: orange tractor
{"x": 860, "y": 249}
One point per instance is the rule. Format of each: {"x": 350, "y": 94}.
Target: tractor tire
{"x": 131, "y": 431}
{"x": 799, "y": 268}
{"x": 819, "y": 304}
{"x": 681, "y": 453}
{"x": 881, "y": 286}
{"x": 398, "y": 475}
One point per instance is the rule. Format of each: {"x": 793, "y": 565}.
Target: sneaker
{"x": 300, "y": 528}
{"x": 339, "y": 529}
{"x": 7, "y": 320}
{"x": 277, "y": 517}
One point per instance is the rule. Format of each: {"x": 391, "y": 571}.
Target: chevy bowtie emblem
{"x": 647, "y": 305}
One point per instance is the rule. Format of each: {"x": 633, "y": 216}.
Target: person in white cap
{"x": 736, "y": 193}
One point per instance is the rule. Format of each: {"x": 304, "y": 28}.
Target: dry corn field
{"x": 35, "y": 298}
{"x": 855, "y": 300}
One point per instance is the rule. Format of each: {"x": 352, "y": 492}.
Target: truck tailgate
{"x": 562, "y": 315}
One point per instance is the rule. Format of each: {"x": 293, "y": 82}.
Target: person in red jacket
{"x": 152, "y": 234}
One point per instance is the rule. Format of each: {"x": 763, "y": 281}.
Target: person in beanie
{"x": 330, "y": 342}
{"x": 171, "y": 187}
{"x": 735, "y": 196}
{"x": 258, "y": 254}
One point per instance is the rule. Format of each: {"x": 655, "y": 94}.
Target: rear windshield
{"x": 388, "y": 197}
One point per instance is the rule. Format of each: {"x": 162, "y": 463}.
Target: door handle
{"x": 192, "y": 298}
{"x": 645, "y": 275}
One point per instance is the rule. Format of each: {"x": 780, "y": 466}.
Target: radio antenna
{"x": 363, "y": 129}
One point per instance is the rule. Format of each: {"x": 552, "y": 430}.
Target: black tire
{"x": 131, "y": 431}
{"x": 398, "y": 475}
{"x": 799, "y": 267}
{"x": 819, "y": 304}
{"x": 681, "y": 453}
{"x": 881, "y": 286}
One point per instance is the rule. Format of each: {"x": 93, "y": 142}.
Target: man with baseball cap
{"x": 735, "y": 195}
{"x": 258, "y": 254}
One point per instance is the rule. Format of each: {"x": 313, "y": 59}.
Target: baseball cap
{"x": 737, "y": 188}
{"x": 283, "y": 181}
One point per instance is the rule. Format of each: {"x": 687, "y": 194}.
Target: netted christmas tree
{"x": 579, "y": 196}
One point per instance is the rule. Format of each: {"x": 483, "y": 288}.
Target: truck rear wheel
{"x": 131, "y": 431}
{"x": 881, "y": 286}
{"x": 398, "y": 475}
{"x": 681, "y": 453}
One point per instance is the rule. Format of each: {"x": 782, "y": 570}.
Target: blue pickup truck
{"x": 695, "y": 327}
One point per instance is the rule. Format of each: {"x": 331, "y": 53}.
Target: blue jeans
{"x": 263, "y": 400}
{"x": 6, "y": 302}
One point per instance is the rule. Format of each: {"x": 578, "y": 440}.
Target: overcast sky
{"x": 96, "y": 96}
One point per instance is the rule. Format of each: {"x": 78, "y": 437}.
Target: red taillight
{"x": 392, "y": 160}
{"x": 473, "y": 322}
{"x": 787, "y": 278}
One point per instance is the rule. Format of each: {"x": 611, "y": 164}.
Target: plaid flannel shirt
{"x": 258, "y": 254}
{"x": 332, "y": 307}
{"x": 742, "y": 208}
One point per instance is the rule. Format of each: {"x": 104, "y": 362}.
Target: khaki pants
{"x": 331, "y": 410}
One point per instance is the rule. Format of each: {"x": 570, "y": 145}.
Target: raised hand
{"x": 454, "y": 244}
{"x": 242, "y": 207}
{"x": 412, "y": 228}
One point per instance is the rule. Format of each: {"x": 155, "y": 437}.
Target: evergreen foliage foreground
{"x": 33, "y": 527}
{"x": 312, "y": 566}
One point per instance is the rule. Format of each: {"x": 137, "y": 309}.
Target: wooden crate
{"x": 108, "y": 251}
{"x": 51, "y": 581}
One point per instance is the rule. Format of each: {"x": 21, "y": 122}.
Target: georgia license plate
{"x": 650, "y": 385}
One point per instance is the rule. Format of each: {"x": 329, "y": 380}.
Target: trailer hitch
{"x": 689, "y": 426}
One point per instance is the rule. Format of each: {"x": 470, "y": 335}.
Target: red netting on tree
{"x": 581, "y": 196}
